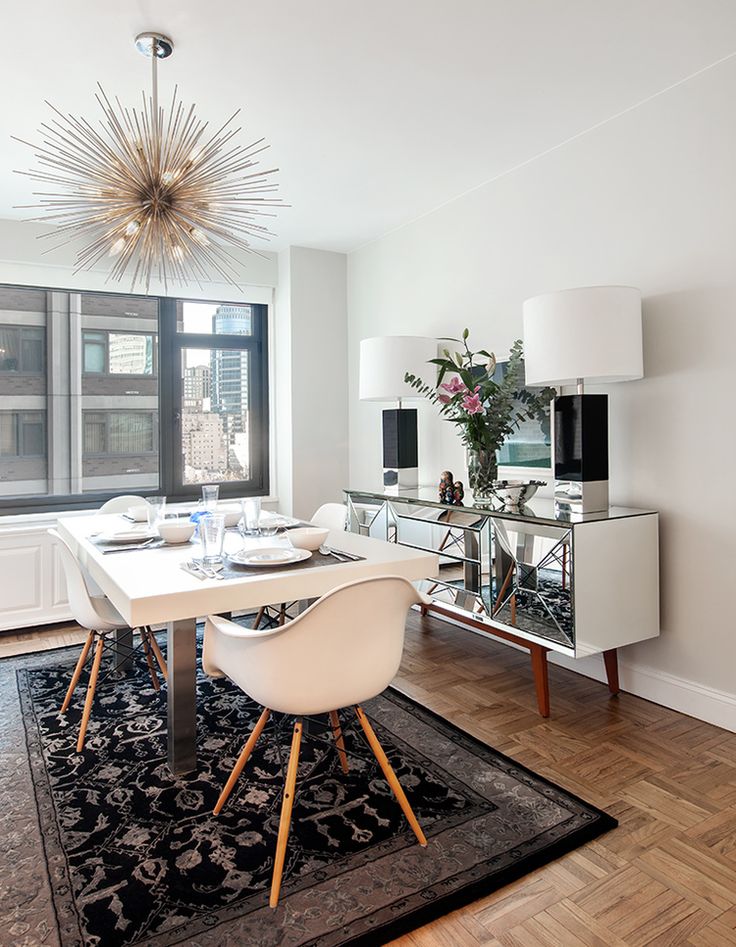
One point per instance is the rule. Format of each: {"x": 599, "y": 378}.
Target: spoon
{"x": 325, "y": 551}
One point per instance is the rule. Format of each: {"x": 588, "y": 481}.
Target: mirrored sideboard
{"x": 541, "y": 577}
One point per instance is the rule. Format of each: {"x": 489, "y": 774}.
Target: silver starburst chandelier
{"x": 152, "y": 188}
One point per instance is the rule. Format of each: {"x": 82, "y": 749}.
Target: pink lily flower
{"x": 471, "y": 403}
{"x": 445, "y": 399}
{"x": 454, "y": 386}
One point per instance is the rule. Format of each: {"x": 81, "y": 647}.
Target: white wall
{"x": 27, "y": 259}
{"x": 311, "y": 337}
{"x": 646, "y": 200}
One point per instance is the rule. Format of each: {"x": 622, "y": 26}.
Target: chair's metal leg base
{"x": 182, "y": 695}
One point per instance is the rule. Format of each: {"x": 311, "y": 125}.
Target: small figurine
{"x": 446, "y": 487}
{"x": 458, "y": 493}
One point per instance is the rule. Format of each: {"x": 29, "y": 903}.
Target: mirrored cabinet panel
{"x": 575, "y": 583}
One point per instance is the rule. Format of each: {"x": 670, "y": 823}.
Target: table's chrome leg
{"x": 182, "y": 694}
{"x": 123, "y": 649}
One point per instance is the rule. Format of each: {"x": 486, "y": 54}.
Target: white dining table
{"x": 149, "y": 587}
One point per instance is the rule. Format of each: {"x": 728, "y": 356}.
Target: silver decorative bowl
{"x": 515, "y": 493}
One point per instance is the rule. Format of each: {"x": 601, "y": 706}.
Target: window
{"x": 117, "y": 353}
{"x": 95, "y": 352}
{"x": 119, "y": 364}
{"x": 119, "y": 432}
{"x": 22, "y": 434}
{"x": 22, "y": 349}
{"x": 219, "y": 395}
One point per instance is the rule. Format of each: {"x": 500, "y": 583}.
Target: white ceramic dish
{"x": 308, "y": 537}
{"x": 277, "y": 521}
{"x": 268, "y": 557}
{"x": 138, "y": 513}
{"x": 132, "y": 535}
{"x": 232, "y": 514}
{"x": 176, "y": 531}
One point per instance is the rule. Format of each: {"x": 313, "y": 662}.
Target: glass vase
{"x": 482, "y": 472}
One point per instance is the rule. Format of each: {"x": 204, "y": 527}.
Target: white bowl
{"x": 176, "y": 531}
{"x": 232, "y": 514}
{"x": 308, "y": 537}
{"x": 139, "y": 514}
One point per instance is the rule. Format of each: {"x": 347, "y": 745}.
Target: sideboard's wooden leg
{"x": 610, "y": 659}
{"x": 541, "y": 679}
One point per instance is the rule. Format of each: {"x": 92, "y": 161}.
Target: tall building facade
{"x": 78, "y": 392}
{"x": 229, "y": 385}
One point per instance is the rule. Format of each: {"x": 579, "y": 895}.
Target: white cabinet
{"x": 31, "y": 577}
{"x": 542, "y": 578}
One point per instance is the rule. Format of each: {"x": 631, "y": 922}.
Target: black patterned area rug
{"x": 133, "y": 855}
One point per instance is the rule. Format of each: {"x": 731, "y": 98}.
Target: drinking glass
{"x": 268, "y": 528}
{"x": 251, "y": 507}
{"x": 210, "y": 494}
{"x": 156, "y": 510}
{"x": 212, "y": 536}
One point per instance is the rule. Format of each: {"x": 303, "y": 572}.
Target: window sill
{"x": 23, "y": 522}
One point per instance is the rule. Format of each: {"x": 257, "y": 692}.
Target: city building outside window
{"x": 21, "y": 349}
{"x": 106, "y": 393}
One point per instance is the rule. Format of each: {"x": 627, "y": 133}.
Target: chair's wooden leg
{"x": 286, "y": 806}
{"x": 160, "y": 660}
{"x": 513, "y": 609}
{"x": 538, "y": 655}
{"x": 90, "y": 692}
{"x": 149, "y": 659}
{"x": 282, "y": 613}
{"x": 242, "y": 760}
{"x": 390, "y": 775}
{"x": 339, "y": 740}
{"x": 78, "y": 671}
{"x": 259, "y": 616}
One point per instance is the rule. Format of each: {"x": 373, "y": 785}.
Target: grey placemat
{"x": 230, "y": 571}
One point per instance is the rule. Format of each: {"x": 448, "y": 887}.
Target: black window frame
{"x": 170, "y": 403}
{"x": 172, "y": 397}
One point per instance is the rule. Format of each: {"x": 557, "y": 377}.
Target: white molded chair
{"x": 343, "y": 650}
{"x": 121, "y": 504}
{"x": 331, "y": 516}
{"x": 97, "y": 614}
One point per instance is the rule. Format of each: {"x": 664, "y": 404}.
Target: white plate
{"x": 275, "y": 520}
{"x": 269, "y": 557}
{"x": 127, "y": 535}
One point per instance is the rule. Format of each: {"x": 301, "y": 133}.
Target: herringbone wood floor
{"x": 666, "y": 876}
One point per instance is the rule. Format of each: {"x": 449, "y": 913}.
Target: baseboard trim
{"x": 677, "y": 693}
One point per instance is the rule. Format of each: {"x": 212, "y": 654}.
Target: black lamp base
{"x": 581, "y": 452}
{"x": 400, "y": 449}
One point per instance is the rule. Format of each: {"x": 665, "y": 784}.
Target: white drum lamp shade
{"x": 384, "y": 360}
{"x": 592, "y": 333}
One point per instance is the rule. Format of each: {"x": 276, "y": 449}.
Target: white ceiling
{"x": 377, "y": 111}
